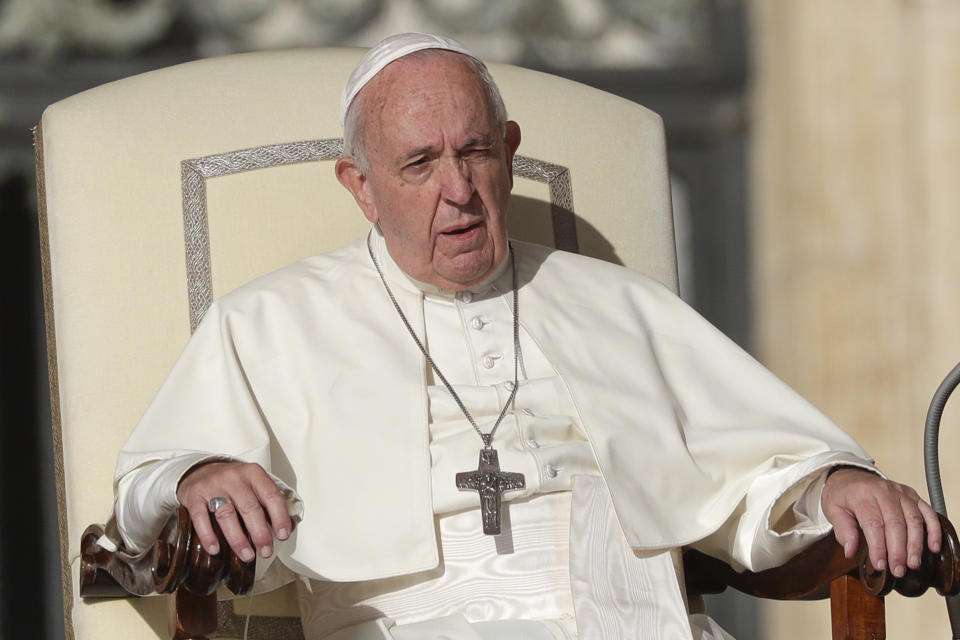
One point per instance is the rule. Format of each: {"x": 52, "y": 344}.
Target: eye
{"x": 417, "y": 165}
{"x": 417, "y": 169}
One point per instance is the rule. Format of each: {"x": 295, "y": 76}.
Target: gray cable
{"x": 931, "y": 466}
{"x": 931, "y": 440}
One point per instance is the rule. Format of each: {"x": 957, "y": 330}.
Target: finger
{"x": 275, "y": 504}
{"x": 229, "y": 522}
{"x": 258, "y": 531}
{"x": 895, "y": 537}
{"x": 932, "y": 522}
{"x": 845, "y": 531}
{"x": 202, "y": 526}
{"x": 915, "y": 529}
{"x": 871, "y": 523}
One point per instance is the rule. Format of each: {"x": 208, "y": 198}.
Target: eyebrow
{"x": 413, "y": 153}
{"x": 479, "y": 142}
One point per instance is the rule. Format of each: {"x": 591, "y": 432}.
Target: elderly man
{"x": 401, "y": 391}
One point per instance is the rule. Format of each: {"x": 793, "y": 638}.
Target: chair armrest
{"x": 175, "y": 560}
{"x": 803, "y": 576}
{"x": 809, "y": 574}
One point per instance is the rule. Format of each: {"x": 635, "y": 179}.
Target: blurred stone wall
{"x": 855, "y": 226}
{"x": 578, "y": 33}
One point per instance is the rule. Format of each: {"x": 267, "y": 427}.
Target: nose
{"x": 456, "y": 186}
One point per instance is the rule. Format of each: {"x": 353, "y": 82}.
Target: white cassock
{"x": 638, "y": 426}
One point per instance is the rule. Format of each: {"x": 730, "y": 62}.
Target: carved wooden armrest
{"x": 856, "y": 589}
{"x": 176, "y": 563}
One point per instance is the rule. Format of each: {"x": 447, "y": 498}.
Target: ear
{"x": 350, "y": 176}
{"x": 511, "y": 140}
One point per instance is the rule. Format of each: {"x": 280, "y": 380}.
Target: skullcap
{"x": 386, "y": 51}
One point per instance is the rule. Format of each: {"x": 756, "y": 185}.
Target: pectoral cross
{"x": 490, "y": 483}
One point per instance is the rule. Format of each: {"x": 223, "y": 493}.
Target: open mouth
{"x": 460, "y": 232}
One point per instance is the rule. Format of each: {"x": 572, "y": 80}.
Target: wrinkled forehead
{"x": 422, "y": 81}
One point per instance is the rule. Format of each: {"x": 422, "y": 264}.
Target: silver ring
{"x": 216, "y": 502}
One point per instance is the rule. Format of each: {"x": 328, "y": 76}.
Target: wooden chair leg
{"x": 192, "y": 617}
{"x": 855, "y": 614}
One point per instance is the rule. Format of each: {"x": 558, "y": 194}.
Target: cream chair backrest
{"x": 227, "y": 162}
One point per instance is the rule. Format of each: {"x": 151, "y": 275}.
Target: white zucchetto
{"x": 386, "y": 51}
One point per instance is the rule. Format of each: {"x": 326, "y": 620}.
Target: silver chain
{"x": 486, "y": 437}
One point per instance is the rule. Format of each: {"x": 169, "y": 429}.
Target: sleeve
{"x": 204, "y": 410}
{"x": 780, "y": 514}
{"x": 146, "y": 497}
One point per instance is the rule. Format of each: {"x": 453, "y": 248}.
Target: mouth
{"x": 459, "y": 231}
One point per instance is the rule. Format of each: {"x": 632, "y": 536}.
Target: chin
{"x": 468, "y": 277}
{"x": 470, "y": 270}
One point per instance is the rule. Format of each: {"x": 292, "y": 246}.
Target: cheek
{"x": 496, "y": 196}
{"x": 413, "y": 218}
{"x": 409, "y": 214}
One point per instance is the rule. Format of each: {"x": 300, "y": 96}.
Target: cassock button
{"x": 533, "y": 444}
{"x": 551, "y": 471}
{"x": 509, "y": 385}
{"x": 464, "y": 296}
{"x": 488, "y": 362}
{"x": 477, "y": 322}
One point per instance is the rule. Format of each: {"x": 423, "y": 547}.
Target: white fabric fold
{"x": 453, "y": 627}
{"x": 780, "y": 515}
{"x": 473, "y": 580}
{"x": 619, "y": 594}
{"x": 147, "y": 497}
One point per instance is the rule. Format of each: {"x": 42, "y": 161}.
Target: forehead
{"x": 433, "y": 86}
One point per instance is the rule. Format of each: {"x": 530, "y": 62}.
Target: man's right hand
{"x": 253, "y": 498}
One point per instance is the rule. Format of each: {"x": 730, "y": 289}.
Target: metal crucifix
{"x": 490, "y": 483}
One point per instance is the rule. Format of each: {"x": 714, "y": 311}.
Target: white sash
{"x": 618, "y": 594}
{"x": 453, "y": 627}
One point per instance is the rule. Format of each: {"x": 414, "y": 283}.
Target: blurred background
{"x": 815, "y": 160}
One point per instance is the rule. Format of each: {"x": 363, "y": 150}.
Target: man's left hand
{"x": 894, "y": 519}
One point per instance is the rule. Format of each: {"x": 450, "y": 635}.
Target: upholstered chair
{"x": 163, "y": 191}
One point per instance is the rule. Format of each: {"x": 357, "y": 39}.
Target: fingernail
{"x": 899, "y": 571}
{"x": 265, "y": 551}
{"x": 246, "y": 555}
{"x": 935, "y": 547}
{"x": 282, "y": 534}
{"x": 880, "y": 565}
{"x": 914, "y": 561}
{"x": 213, "y": 549}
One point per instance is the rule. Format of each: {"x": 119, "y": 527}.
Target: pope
{"x": 356, "y": 388}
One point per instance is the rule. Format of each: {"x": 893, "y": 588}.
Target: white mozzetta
{"x": 307, "y": 372}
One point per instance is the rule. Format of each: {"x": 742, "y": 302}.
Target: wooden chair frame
{"x": 177, "y": 564}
